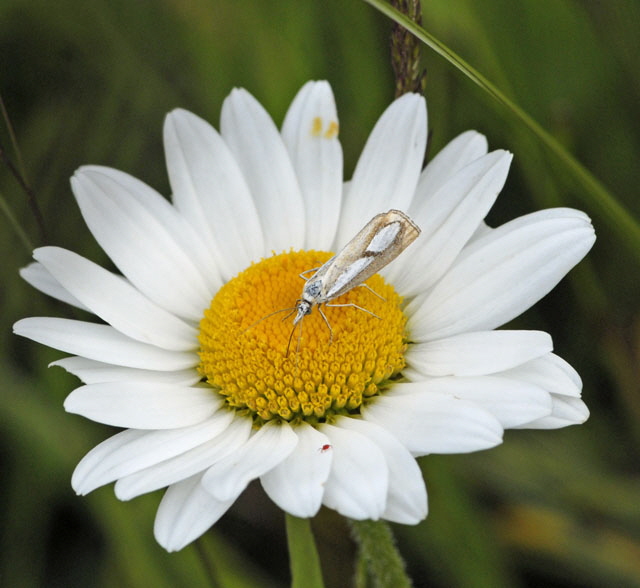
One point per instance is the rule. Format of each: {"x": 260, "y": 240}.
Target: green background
{"x": 90, "y": 82}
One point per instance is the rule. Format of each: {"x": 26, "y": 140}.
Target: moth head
{"x": 303, "y": 308}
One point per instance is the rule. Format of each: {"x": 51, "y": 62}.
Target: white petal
{"x": 165, "y": 214}
{"x": 169, "y": 220}
{"x": 37, "y": 276}
{"x": 512, "y": 403}
{"x": 426, "y": 421}
{"x": 139, "y": 230}
{"x": 258, "y": 148}
{"x": 102, "y": 343}
{"x": 388, "y": 169}
{"x": 116, "y": 301}
{"x": 263, "y": 451}
{"x": 359, "y": 480}
{"x": 186, "y": 464}
{"x": 209, "y": 189}
{"x": 96, "y": 372}
{"x": 297, "y": 483}
{"x": 407, "y": 495}
{"x": 412, "y": 375}
{"x": 499, "y": 276}
{"x": 476, "y": 354}
{"x": 566, "y": 411}
{"x": 133, "y": 450}
{"x": 552, "y": 373}
{"x": 143, "y": 405}
{"x": 448, "y": 218}
{"x": 455, "y": 155}
{"x": 310, "y": 134}
{"x": 186, "y": 511}
{"x": 482, "y": 230}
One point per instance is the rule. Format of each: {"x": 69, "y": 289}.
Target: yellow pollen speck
{"x": 250, "y": 355}
{"x": 332, "y": 130}
{"x": 316, "y": 126}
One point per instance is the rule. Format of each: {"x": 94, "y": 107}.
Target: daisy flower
{"x": 191, "y": 356}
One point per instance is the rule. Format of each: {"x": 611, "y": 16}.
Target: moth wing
{"x": 319, "y": 272}
{"x": 378, "y": 243}
{"x": 353, "y": 275}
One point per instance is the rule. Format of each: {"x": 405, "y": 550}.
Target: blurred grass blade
{"x": 13, "y": 138}
{"x": 13, "y": 221}
{"x": 595, "y": 194}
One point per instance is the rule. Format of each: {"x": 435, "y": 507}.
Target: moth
{"x": 377, "y": 244}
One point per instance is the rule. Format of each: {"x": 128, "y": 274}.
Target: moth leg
{"x": 297, "y": 344}
{"x": 363, "y": 285}
{"x": 313, "y": 269}
{"x": 354, "y": 306}
{"x": 326, "y": 321}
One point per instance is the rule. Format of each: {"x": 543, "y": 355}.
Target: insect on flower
{"x": 378, "y": 243}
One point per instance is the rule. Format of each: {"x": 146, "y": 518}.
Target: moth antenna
{"x": 292, "y": 310}
{"x": 326, "y": 321}
{"x": 264, "y": 318}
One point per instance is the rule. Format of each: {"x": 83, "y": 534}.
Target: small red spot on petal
{"x": 325, "y": 448}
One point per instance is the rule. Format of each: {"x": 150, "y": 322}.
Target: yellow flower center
{"x": 263, "y": 366}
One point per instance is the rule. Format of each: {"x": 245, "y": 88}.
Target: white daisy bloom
{"x": 191, "y": 358}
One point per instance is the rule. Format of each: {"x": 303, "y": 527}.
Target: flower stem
{"x": 378, "y": 548}
{"x": 304, "y": 560}
{"x": 405, "y": 51}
